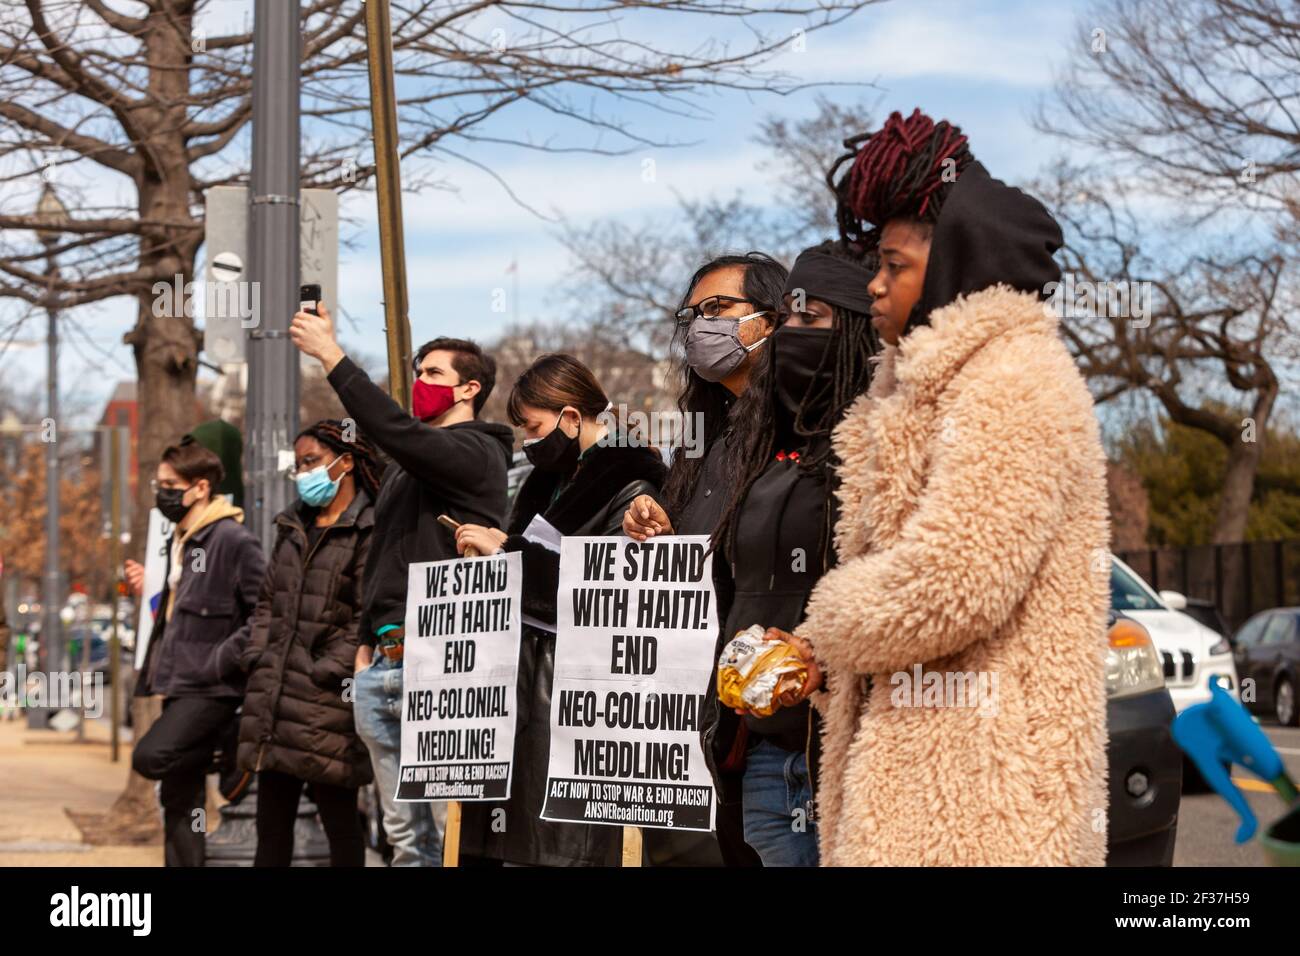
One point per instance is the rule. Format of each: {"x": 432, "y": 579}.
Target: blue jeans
{"x": 414, "y": 829}
{"x": 777, "y": 800}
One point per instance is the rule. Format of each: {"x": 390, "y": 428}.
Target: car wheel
{"x": 1284, "y": 707}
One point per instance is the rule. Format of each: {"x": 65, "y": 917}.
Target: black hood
{"x": 504, "y": 435}
{"x": 988, "y": 233}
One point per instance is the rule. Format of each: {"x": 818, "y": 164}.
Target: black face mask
{"x": 556, "y": 453}
{"x": 169, "y": 502}
{"x": 796, "y": 357}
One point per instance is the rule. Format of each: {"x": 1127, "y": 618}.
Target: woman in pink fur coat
{"x": 961, "y": 638}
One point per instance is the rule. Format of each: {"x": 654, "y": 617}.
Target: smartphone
{"x": 308, "y": 297}
{"x": 451, "y": 525}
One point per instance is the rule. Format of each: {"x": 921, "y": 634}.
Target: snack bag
{"x": 753, "y": 673}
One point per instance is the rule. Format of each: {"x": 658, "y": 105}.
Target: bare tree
{"x": 134, "y": 91}
{"x": 630, "y": 377}
{"x": 631, "y": 276}
{"x": 1197, "y": 98}
{"x": 1217, "y": 326}
{"x": 133, "y": 94}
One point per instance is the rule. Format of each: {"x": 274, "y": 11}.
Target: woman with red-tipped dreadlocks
{"x": 962, "y": 632}
{"x": 297, "y": 729}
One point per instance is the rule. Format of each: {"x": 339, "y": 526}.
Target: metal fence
{"x": 1239, "y": 579}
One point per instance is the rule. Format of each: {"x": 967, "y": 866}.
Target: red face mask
{"x": 430, "y": 401}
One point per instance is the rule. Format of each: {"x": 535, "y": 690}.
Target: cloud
{"x": 1013, "y": 44}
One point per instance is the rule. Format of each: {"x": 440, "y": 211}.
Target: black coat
{"x": 302, "y": 647}
{"x": 189, "y": 655}
{"x": 459, "y": 471}
{"x": 607, "y": 481}
{"x": 699, "y": 515}
{"x": 783, "y": 546}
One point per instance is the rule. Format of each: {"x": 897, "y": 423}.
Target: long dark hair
{"x": 754, "y": 419}
{"x": 763, "y": 283}
{"x": 366, "y": 466}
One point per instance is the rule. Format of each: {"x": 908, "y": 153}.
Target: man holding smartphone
{"x": 447, "y": 462}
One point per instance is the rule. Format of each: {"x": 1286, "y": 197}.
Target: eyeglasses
{"x": 171, "y": 486}
{"x": 310, "y": 463}
{"x": 709, "y": 308}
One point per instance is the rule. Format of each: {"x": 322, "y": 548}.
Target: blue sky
{"x": 984, "y": 64}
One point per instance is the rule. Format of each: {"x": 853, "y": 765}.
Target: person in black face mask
{"x": 214, "y": 573}
{"x": 774, "y": 540}
{"x": 583, "y": 479}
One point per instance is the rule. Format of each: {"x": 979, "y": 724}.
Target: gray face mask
{"x": 713, "y": 346}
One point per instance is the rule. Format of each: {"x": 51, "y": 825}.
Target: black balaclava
{"x": 987, "y": 233}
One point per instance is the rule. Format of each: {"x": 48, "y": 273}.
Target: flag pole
{"x": 388, "y": 191}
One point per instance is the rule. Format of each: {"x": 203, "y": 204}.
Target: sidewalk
{"x": 47, "y": 773}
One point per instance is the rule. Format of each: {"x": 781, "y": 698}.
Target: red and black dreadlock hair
{"x": 903, "y": 170}
{"x": 366, "y": 466}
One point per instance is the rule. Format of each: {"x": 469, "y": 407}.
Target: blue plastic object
{"x": 1220, "y": 733}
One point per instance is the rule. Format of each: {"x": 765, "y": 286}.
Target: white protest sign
{"x": 460, "y": 661}
{"x": 636, "y": 625}
{"x": 155, "y": 570}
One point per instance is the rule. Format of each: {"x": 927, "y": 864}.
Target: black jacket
{"x": 703, "y": 510}
{"x": 187, "y": 655}
{"x": 607, "y": 480}
{"x": 783, "y": 546}
{"x": 699, "y": 515}
{"x": 459, "y": 471}
{"x": 302, "y": 646}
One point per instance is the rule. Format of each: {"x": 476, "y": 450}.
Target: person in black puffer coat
{"x": 582, "y": 482}
{"x": 297, "y": 725}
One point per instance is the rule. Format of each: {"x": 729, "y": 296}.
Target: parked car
{"x": 1146, "y": 766}
{"x": 1191, "y": 652}
{"x": 1267, "y": 652}
{"x": 99, "y": 651}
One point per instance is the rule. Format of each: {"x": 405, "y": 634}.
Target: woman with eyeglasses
{"x": 583, "y": 480}
{"x": 297, "y": 728}
{"x": 727, "y": 316}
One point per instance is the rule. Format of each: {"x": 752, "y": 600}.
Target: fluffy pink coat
{"x": 972, "y": 541}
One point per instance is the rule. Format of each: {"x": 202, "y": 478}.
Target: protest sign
{"x": 461, "y": 658}
{"x": 636, "y": 627}
{"x": 155, "y": 569}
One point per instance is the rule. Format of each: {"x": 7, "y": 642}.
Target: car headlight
{"x": 1223, "y": 647}
{"x": 1133, "y": 665}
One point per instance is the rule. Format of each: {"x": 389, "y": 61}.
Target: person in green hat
{"x": 225, "y": 441}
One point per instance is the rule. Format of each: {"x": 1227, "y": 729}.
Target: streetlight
{"x": 52, "y": 215}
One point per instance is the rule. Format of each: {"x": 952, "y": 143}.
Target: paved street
{"x": 48, "y": 773}
{"x": 1206, "y": 823}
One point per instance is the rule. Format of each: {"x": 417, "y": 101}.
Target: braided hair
{"x": 903, "y": 170}
{"x": 755, "y": 415}
{"x": 366, "y": 466}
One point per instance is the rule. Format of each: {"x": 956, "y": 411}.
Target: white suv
{"x": 1191, "y": 651}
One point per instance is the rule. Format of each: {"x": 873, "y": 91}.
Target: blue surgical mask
{"x": 316, "y": 488}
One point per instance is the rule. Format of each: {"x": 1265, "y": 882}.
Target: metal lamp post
{"x": 52, "y": 214}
